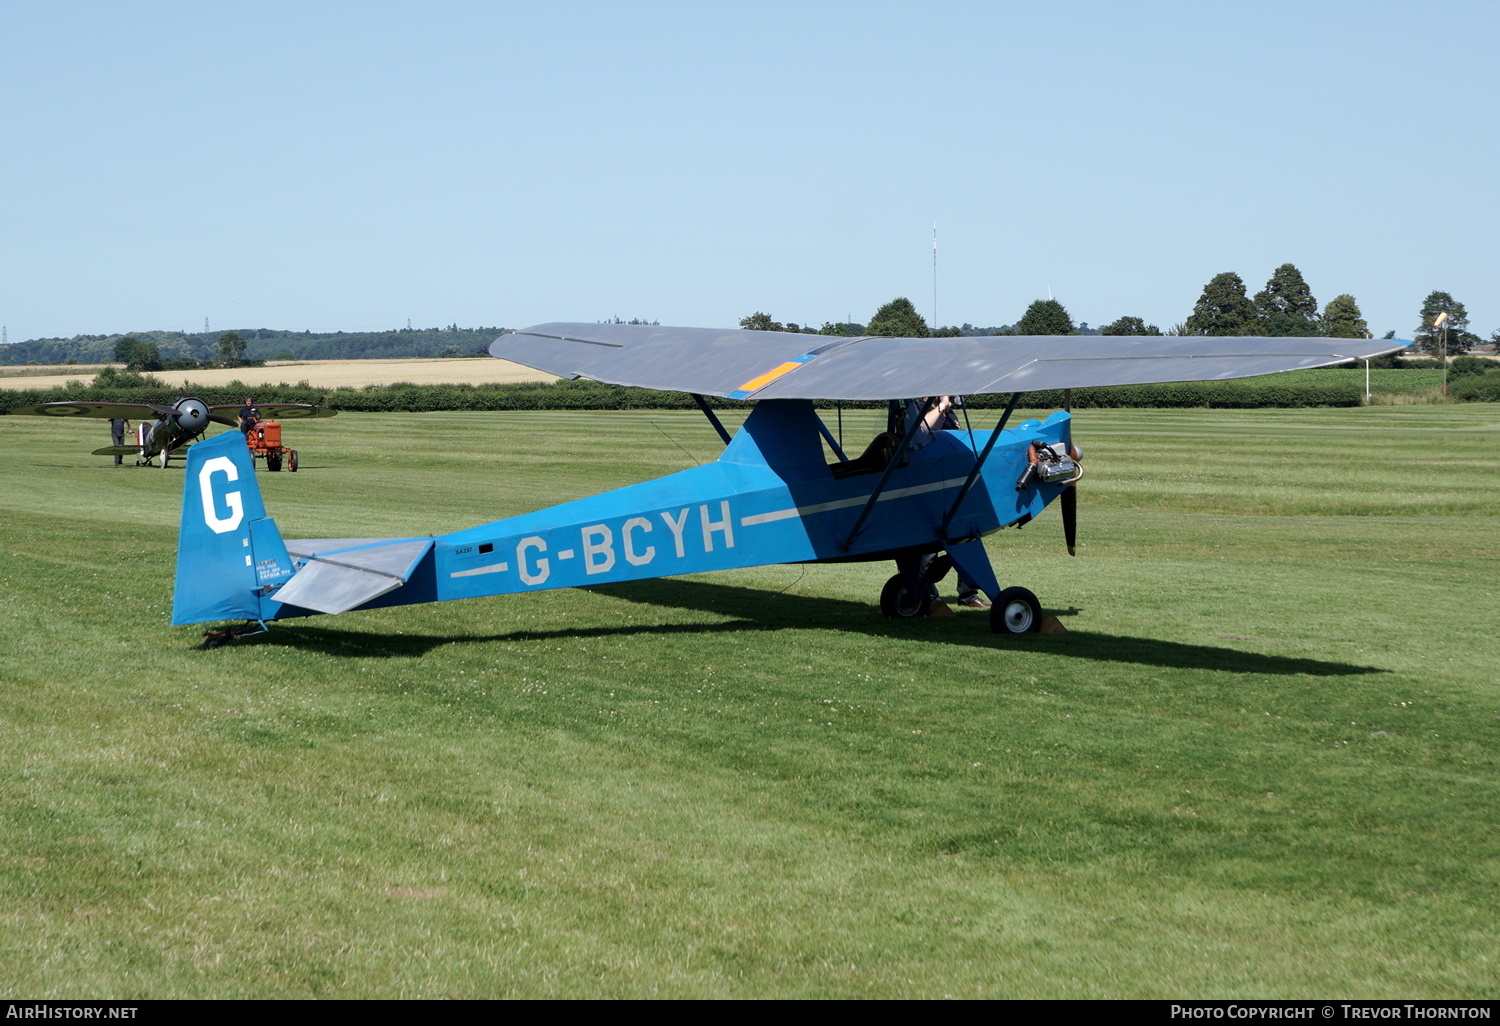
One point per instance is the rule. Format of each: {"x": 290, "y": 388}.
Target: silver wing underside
{"x": 742, "y": 364}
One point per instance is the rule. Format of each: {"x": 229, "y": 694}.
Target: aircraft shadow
{"x": 753, "y": 610}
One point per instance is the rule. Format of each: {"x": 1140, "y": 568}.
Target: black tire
{"x": 291, "y": 460}
{"x": 1016, "y": 611}
{"x": 896, "y": 602}
{"x": 273, "y": 462}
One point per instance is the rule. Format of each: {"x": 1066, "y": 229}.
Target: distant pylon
{"x": 205, "y": 325}
{"x": 934, "y": 276}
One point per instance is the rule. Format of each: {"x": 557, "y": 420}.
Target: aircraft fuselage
{"x": 771, "y": 497}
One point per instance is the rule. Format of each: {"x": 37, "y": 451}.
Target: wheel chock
{"x": 1052, "y": 625}
{"x": 940, "y": 609}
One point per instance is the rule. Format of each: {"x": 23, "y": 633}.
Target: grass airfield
{"x": 1263, "y": 762}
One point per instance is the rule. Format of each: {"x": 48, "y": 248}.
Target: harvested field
{"x": 318, "y": 373}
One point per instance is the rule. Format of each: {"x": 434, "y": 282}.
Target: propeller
{"x": 1069, "y": 497}
{"x": 1069, "y": 502}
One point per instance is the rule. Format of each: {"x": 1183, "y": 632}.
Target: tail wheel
{"x": 897, "y": 603}
{"x": 1016, "y": 611}
{"x": 291, "y": 460}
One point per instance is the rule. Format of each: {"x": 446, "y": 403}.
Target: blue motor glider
{"x": 921, "y": 497}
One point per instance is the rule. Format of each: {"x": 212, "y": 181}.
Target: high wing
{"x": 107, "y": 411}
{"x": 740, "y": 364}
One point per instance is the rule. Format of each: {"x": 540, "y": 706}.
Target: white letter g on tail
{"x": 216, "y": 523}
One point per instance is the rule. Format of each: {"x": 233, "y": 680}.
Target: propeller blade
{"x": 1069, "y": 501}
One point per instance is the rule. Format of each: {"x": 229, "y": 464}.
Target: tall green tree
{"x": 1223, "y": 309}
{"x": 1286, "y": 307}
{"x": 759, "y": 321}
{"x": 897, "y": 319}
{"x": 1045, "y": 317}
{"x": 1129, "y": 326}
{"x": 231, "y": 348}
{"x": 1342, "y": 319}
{"x": 1429, "y": 338}
{"x": 125, "y": 349}
{"x": 146, "y": 357}
{"x": 847, "y": 329}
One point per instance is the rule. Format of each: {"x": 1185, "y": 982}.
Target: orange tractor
{"x": 264, "y": 440}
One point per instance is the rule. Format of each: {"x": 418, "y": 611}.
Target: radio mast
{"x": 934, "y": 276}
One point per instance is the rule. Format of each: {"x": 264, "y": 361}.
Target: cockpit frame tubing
{"x": 890, "y": 468}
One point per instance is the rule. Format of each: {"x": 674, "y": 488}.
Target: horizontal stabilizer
{"x": 339, "y": 574}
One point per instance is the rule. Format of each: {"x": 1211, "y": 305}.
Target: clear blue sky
{"x": 352, "y": 165}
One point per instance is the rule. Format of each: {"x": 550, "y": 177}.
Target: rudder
{"x": 229, "y": 553}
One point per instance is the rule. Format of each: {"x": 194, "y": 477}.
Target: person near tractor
{"x": 249, "y": 415}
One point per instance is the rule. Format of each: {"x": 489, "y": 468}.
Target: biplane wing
{"x": 103, "y": 411}
{"x": 150, "y": 411}
{"x": 286, "y": 411}
{"x": 740, "y": 364}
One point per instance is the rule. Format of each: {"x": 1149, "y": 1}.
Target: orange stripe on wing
{"x": 769, "y": 376}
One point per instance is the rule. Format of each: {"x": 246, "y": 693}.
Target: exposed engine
{"x": 1051, "y": 464}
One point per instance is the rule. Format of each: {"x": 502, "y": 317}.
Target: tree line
{"x": 1284, "y": 308}
{"x": 182, "y": 350}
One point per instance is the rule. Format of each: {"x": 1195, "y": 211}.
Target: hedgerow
{"x": 404, "y": 397}
{"x": 1476, "y": 388}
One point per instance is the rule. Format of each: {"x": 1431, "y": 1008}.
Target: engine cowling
{"x": 191, "y": 416}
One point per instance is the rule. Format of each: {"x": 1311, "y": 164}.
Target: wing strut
{"x": 709, "y": 413}
{"x": 890, "y": 467}
{"x": 979, "y": 464}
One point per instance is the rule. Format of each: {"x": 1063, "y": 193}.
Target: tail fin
{"x": 229, "y": 553}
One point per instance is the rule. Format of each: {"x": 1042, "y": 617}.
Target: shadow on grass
{"x": 752, "y": 610}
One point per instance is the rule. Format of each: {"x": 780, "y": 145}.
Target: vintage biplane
{"x": 774, "y": 495}
{"x": 165, "y": 431}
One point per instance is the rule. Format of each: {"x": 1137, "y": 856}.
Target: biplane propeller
{"x": 165, "y": 431}
{"x": 772, "y": 496}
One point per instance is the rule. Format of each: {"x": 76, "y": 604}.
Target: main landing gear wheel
{"x": 897, "y": 604}
{"x": 291, "y": 461}
{"x": 164, "y": 459}
{"x": 1016, "y": 611}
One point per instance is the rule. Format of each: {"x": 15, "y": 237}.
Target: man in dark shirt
{"x": 249, "y": 414}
